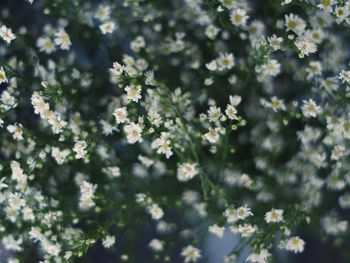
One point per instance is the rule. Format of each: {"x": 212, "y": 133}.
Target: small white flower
{"x": 211, "y": 31}
{"x": 133, "y": 132}
{"x": 260, "y": 257}
{"x": 186, "y": 171}
{"x": 155, "y": 211}
{"x": 275, "y": 42}
{"x": 344, "y": 76}
{"x": 338, "y": 152}
{"x": 120, "y": 115}
{"x": 117, "y": 69}
{"x": 243, "y": 212}
{"x": 58, "y": 155}
{"x": 80, "y": 149}
{"x": 217, "y": 230}
{"x": 133, "y": 93}
{"x": 107, "y": 27}
{"x": 6, "y": 34}
{"x": 245, "y": 230}
{"x": 310, "y": 108}
{"x": 295, "y": 244}
{"x": 212, "y": 135}
{"x": 87, "y": 191}
{"x": 3, "y": 78}
{"x": 156, "y": 245}
{"x": 225, "y": 61}
{"x": 191, "y": 254}
{"x": 305, "y": 47}
{"x": 274, "y": 216}
{"x": 62, "y": 39}
{"x": 16, "y": 130}
{"x": 212, "y": 66}
{"x": 214, "y": 114}
{"x": 46, "y": 45}
{"x": 294, "y": 23}
{"x": 108, "y": 241}
{"x": 17, "y": 172}
{"x": 238, "y": 17}
{"x": 231, "y": 112}
{"x": 229, "y": 3}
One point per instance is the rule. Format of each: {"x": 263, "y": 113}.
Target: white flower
{"x": 326, "y": 5}
{"x": 275, "y": 42}
{"x": 216, "y": 230}
{"x": 212, "y": 135}
{"x": 231, "y": 112}
{"x": 270, "y": 68}
{"x": 191, "y": 254}
{"x": 231, "y": 215}
{"x": 58, "y": 155}
{"x": 113, "y": 171}
{"x": 156, "y": 245}
{"x": 108, "y": 241}
{"x": 277, "y": 104}
{"x": 16, "y": 130}
{"x": 137, "y": 44}
{"x": 120, "y": 115}
{"x": 10, "y": 243}
{"x": 245, "y": 230}
{"x": 214, "y": 114}
{"x": 8, "y": 100}
{"x": 229, "y": 3}
{"x": 28, "y": 214}
{"x": 274, "y": 216}
{"x": 186, "y": 171}
{"x": 40, "y": 106}
{"x": 305, "y": 47}
{"x": 87, "y": 191}
{"x": 107, "y": 27}
{"x": 338, "y": 152}
{"x": 117, "y": 69}
{"x": 344, "y": 200}
{"x": 211, "y": 31}
{"x": 295, "y": 23}
{"x": 2, "y": 184}
{"x": 103, "y": 12}
{"x": 133, "y": 93}
{"x": 17, "y": 172}
{"x": 155, "y": 211}
{"x": 56, "y": 123}
{"x": 243, "y": 212}
{"x": 310, "y": 108}
{"x": 133, "y": 132}
{"x": 344, "y": 76}
{"x": 260, "y": 257}
{"x": 6, "y": 34}
{"x": 46, "y": 45}
{"x": 225, "y": 61}
{"x": 51, "y": 249}
{"x": 162, "y": 144}
{"x": 238, "y": 17}
{"x": 3, "y": 78}
{"x": 235, "y": 100}
{"x": 15, "y": 201}
{"x": 212, "y": 66}
{"x": 62, "y": 39}
{"x": 295, "y": 244}
{"x": 80, "y": 149}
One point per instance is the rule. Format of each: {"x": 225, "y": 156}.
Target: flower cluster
{"x": 196, "y": 119}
